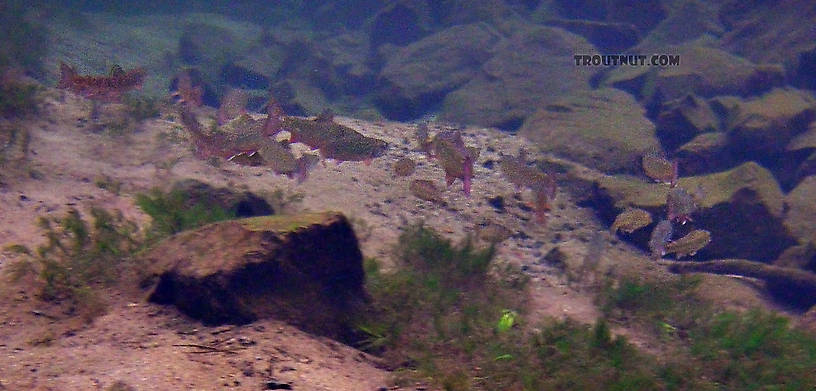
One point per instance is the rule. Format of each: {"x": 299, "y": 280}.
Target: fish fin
{"x": 67, "y": 75}
{"x": 673, "y": 182}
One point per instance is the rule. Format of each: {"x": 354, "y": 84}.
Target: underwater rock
{"x": 529, "y": 70}
{"x": 404, "y": 167}
{"x": 493, "y": 233}
{"x": 400, "y": 23}
{"x": 801, "y": 256}
{"x": 766, "y": 125}
{"x": 743, "y": 208}
{"x": 454, "y": 12}
{"x": 801, "y": 151}
{"x": 803, "y": 70}
{"x": 703, "y": 71}
{"x": 604, "y": 129}
{"x": 300, "y": 96}
{"x": 13, "y": 144}
{"x": 804, "y": 141}
{"x": 426, "y": 190}
{"x": 348, "y": 55}
{"x": 707, "y": 152}
{"x": 688, "y": 20}
{"x": 763, "y": 30}
{"x": 607, "y": 37}
{"x": 644, "y": 15}
{"x": 793, "y": 286}
{"x": 682, "y": 119}
{"x": 303, "y": 269}
{"x": 206, "y": 44}
{"x": 802, "y": 210}
{"x": 242, "y": 204}
{"x": 418, "y": 76}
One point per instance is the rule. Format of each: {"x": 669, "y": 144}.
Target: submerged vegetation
{"x": 449, "y": 317}
{"x": 174, "y": 211}
{"x": 17, "y": 98}
{"x": 82, "y": 255}
{"x": 78, "y": 257}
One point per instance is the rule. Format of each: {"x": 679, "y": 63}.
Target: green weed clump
{"x": 140, "y": 107}
{"x": 450, "y": 317}
{"x": 661, "y": 306}
{"x": 18, "y": 99}
{"x": 711, "y": 349}
{"x": 79, "y": 257}
{"x": 755, "y": 351}
{"x": 174, "y": 211}
{"x": 284, "y": 201}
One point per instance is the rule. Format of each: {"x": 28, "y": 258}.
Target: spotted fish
{"x": 689, "y": 245}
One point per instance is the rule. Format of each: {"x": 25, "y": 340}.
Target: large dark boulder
{"x": 763, "y": 31}
{"x": 453, "y": 12}
{"x": 607, "y": 37}
{"x": 682, "y": 119}
{"x": 801, "y": 217}
{"x": 643, "y": 14}
{"x": 686, "y": 21}
{"x": 705, "y": 153}
{"x": 418, "y": 77}
{"x": 801, "y": 153}
{"x": 766, "y": 124}
{"x": 803, "y": 69}
{"x": 703, "y": 71}
{"x": 532, "y": 68}
{"x": 400, "y": 23}
{"x": 743, "y": 208}
{"x": 604, "y": 129}
{"x": 303, "y": 269}
{"x": 238, "y": 203}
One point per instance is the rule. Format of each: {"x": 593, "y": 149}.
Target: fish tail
{"x": 67, "y": 76}
{"x": 467, "y": 175}
{"x": 674, "y": 173}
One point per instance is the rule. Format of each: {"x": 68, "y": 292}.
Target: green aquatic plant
{"x": 140, "y": 107}
{"x": 507, "y": 320}
{"x": 77, "y": 257}
{"x": 436, "y": 320}
{"x": 18, "y": 99}
{"x": 174, "y": 211}
{"x": 283, "y": 200}
{"x": 755, "y": 350}
{"x": 714, "y": 349}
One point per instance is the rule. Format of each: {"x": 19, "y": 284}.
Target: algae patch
{"x": 289, "y": 223}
